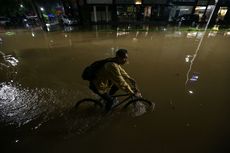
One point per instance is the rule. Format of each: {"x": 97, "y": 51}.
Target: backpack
{"x": 89, "y": 73}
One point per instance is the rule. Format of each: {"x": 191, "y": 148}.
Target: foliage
{"x": 11, "y": 8}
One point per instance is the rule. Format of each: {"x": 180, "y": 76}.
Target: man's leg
{"x": 105, "y": 96}
{"x": 113, "y": 89}
{"x": 109, "y": 101}
{"x": 93, "y": 88}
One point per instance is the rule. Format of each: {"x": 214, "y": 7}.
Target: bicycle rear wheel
{"x": 89, "y": 104}
{"x": 139, "y": 106}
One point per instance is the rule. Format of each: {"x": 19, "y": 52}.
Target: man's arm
{"x": 117, "y": 77}
{"x": 131, "y": 80}
{"x": 126, "y": 76}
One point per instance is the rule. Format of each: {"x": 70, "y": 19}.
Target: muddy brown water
{"x": 41, "y": 81}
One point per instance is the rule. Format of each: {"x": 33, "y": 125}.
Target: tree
{"x": 8, "y": 7}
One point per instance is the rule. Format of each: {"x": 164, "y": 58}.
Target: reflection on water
{"x": 68, "y": 28}
{"x": 20, "y": 105}
{"x": 48, "y": 84}
{"x": 188, "y": 58}
{"x": 33, "y": 34}
{"x": 176, "y": 34}
{"x": 200, "y": 35}
{"x": 191, "y": 34}
{"x": 17, "y": 105}
{"x": 10, "y": 33}
{"x": 190, "y": 92}
{"x": 199, "y": 45}
{"x": 8, "y": 67}
{"x": 212, "y": 33}
{"x": 227, "y": 33}
{"x": 10, "y": 59}
{"x": 195, "y": 76}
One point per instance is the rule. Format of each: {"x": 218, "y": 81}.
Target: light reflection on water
{"x": 12, "y": 60}
{"x": 8, "y": 67}
{"x": 227, "y": 33}
{"x": 36, "y": 101}
{"x": 17, "y": 105}
{"x": 20, "y": 105}
{"x": 48, "y": 83}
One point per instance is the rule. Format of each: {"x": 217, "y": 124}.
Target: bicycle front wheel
{"x": 139, "y": 106}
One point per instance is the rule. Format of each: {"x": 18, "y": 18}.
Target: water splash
{"x": 20, "y": 105}
{"x": 139, "y": 110}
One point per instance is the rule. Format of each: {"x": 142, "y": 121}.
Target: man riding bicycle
{"x": 111, "y": 77}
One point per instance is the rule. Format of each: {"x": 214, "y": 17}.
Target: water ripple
{"x": 21, "y": 105}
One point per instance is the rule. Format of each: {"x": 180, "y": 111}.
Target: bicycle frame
{"x": 129, "y": 99}
{"x": 124, "y": 100}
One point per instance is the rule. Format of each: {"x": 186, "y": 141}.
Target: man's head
{"x": 122, "y": 56}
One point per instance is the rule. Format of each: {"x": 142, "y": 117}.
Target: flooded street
{"x": 40, "y": 82}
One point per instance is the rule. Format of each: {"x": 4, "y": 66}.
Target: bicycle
{"x": 135, "y": 104}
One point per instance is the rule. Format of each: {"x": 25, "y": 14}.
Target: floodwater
{"x": 41, "y": 82}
